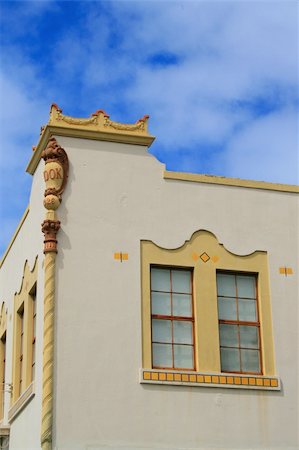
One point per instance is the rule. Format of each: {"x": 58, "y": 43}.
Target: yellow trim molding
{"x": 22, "y": 333}
{"x": 209, "y": 379}
{"x": 3, "y": 325}
{"x": 207, "y": 347}
{"x": 22, "y": 401}
{"x": 23, "y": 218}
{"x": 211, "y": 179}
{"x": 98, "y": 126}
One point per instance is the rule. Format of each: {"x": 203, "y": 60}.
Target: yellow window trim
{"x": 207, "y": 353}
{"x": 3, "y": 326}
{"x": 23, "y": 301}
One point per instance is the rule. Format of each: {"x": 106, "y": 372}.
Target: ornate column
{"x": 55, "y": 176}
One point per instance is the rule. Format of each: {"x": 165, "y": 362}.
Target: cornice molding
{"x": 237, "y": 182}
{"x": 98, "y": 126}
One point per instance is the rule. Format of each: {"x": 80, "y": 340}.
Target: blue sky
{"x": 219, "y": 80}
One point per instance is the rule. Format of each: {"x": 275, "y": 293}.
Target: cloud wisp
{"x": 219, "y": 80}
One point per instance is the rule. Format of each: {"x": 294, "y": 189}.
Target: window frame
{"x": 3, "y": 336}
{"x": 23, "y": 313}
{"x": 241, "y": 322}
{"x": 215, "y": 257}
{"x": 173, "y": 318}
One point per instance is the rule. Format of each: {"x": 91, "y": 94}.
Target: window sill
{"x": 22, "y": 401}
{"x": 4, "y": 430}
{"x": 182, "y": 378}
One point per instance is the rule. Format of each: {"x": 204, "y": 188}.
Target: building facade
{"x": 153, "y": 309}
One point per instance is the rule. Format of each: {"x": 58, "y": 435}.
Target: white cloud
{"x": 231, "y": 54}
{"x": 268, "y": 148}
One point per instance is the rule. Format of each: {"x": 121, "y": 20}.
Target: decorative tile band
{"x": 209, "y": 380}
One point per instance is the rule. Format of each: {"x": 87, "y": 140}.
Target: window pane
{"x": 160, "y": 280}
{"x": 161, "y": 303}
{"x": 230, "y": 360}
{"x": 181, "y": 281}
{"x": 162, "y": 355}
{"x": 250, "y": 360}
{"x": 227, "y": 308}
{"x": 226, "y": 285}
{"x": 246, "y": 286}
{"x": 249, "y": 337}
{"x": 229, "y": 335}
{"x": 182, "y": 305}
{"x": 183, "y": 356}
{"x": 161, "y": 330}
{"x": 182, "y": 332}
{"x": 247, "y": 310}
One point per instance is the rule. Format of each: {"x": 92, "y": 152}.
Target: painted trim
{"x": 237, "y": 182}
{"x": 23, "y": 300}
{"x": 78, "y": 132}
{"x": 207, "y": 347}
{"x": 4, "y": 430}
{"x": 22, "y": 401}
{"x": 203, "y": 379}
{"x": 14, "y": 236}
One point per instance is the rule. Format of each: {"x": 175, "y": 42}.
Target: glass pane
{"x": 226, "y": 285}
{"x": 249, "y": 337}
{"x": 160, "y": 279}
{"x": 161, "y": 303}
{"x": 230, "y": 359}
{"x": 182, "y": 332}
{"x": 227, "y": 308}
{"x": 161, "y": 330}
{"x": 229, "y": 335}
{"x": 247, "y": 310}
{"x": 246, "y": 286}
{"x": 162, "y": 355}
{"x": 183, "y": 356}
{"x": 181, "y": 281}
{"x": 182, "y": 305}
{"x": 250, "y": 360}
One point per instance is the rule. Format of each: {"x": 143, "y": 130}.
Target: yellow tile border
{"x": 171, "y": 377}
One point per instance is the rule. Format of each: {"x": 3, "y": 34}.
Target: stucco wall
{"x": 28, "y": 244}
{"x": 116, "y": 196}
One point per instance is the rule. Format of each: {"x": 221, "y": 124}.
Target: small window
{"x": 21, "y": 347}
{"x": 33, "y": 350}
{"x": 172, "y": 318}
{"x": 239, "y": 327}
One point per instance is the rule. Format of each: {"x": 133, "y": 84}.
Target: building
{"x": 167, "y": 319}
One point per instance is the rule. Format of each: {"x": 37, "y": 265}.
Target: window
{"x": 239, "y": 328}
{"x": 2, "y": 358}
{"x": 33, "y": 337}
{"x": 172, "y": 318}
{"x": 206, "y": 315}
{"x": 24, "y": 351}
{"x": 21, "y": 348}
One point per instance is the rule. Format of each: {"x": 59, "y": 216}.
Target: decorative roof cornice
{"x": 98, "y": 126}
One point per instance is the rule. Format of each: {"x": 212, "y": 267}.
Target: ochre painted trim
{"x": 21, "y": 402}
{"x": 15, "y": 235}
{"x": 211, "y": 179}
{"x": 207, "y": 353}
{"x": 209, "y": 379}
{"x": 23, "y": 301}
{"x": 51, "y": 130}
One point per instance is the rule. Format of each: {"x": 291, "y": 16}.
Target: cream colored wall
{"x": 116, "y": 196}
{"x": 25, "y": 428}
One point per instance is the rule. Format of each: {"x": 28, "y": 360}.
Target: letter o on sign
{"x": 52, "y": 174}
